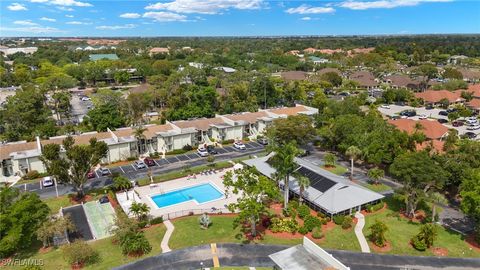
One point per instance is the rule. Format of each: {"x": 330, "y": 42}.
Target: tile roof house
{"x": 435, "y": 96}
{"x": 433, "y": 130}
{"x": 470, "y": 75}
{"x": 157, "y": 50}
{"x": 294, "y": 75}
{"x": 474, "y": 104}
{"x": 365, "y": 79}
{"x": 403, "y": 81}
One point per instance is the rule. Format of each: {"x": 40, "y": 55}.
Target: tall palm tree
{"x": 303, "y": 183}
{"x": 436, "y": 198}
{"x": 375, "y": 174}
{"x": 140, "y": 137}
{"x": 283, "y": 161}
{"x": 140, "y": 210}
{"x": 353, "y": 153}
{"x": 122, "y": 183}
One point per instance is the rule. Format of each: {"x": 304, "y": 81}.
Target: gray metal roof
{"x": 298, "y": 258}
{"x": 343, "y": 195}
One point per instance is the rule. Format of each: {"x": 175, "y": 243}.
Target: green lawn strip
{"x": 188, "y": 233}
{"x": 338, "y": 169}
{"x": 29, "y": 181}
{"x": 182, "y": 172}
{"x": 56, "y": 203}
{"x": 110, "y": 254}
{"x": 376, "y": 187}
{"x": 400, "y": 231}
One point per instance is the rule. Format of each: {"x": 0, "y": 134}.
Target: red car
{"x": 150, "y": 162}
{"x": 457, "y": 123}
{"x": 91, "y": 174}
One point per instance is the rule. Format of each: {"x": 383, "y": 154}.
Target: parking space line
{"x": 156, "y": 163}
{"x": 133, "y": 167}
{"x": 96, "y": 172}
{"x": 121, "y": 169}
{"x": 187, "y": 157}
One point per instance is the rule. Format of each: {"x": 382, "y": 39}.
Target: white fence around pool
{"x": 192, "y": 212}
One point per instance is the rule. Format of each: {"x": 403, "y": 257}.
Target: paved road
{"x": 257, "y": 256}
{"x": 79, "y": 108}
{"x": 170, "y": 163}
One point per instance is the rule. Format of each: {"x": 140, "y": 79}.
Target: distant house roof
{"x": 299, "y": 109}
{"x": 435, "y": 96}
{"x": 435, "y": 146}
{"x": 159, "y": 50}
{"x": 226, "y": 69}
{"x": 248, "y": 117}
{"x": 433, "y": 130}
{"x": 199, "y": 124}
{"x": 110, "y": 56}
{"x": 327, "y": 70}
{"x": 142, "y": 88}
{"x": 474, "y": 104}
{"x": 403, "y": 81}
{"x": 294, "y": 75}
{"x": 330, "y": 192}
{"x": 470, "y": 74}
{"x": 364, "y": 78}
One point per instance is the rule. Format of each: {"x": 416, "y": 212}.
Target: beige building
{"x": 18, "y": 158}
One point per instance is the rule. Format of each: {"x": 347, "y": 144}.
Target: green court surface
{"x": 100, "y": 217}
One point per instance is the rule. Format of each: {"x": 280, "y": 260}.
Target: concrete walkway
{"x": 359, "y": 232}
{"x": 166, "y": 237}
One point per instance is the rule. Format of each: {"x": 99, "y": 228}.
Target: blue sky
{"x": 236, "y": 17}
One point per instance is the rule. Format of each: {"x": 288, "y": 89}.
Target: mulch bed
{"x": 85, "y": 199}
{"x": 44, "y": 250}
{"x": 418, "y": 218}
{"x": 386, "y": 248}
{"x": 440, "y": 252}
{"x": 366, "y": 213}
{"x": 113, "y": 201}
{"x": 472, "y": 243}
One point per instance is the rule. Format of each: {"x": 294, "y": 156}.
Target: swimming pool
{"x": 200, "y": 194}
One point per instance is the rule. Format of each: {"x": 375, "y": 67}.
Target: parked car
{"x": 385, "y": 106}
{"x": 450, "y": 110}
{"x": 474, "y": 127}
{"x": 422, "y": 116}
{"x": 262, "y": 141}
{"x": 344, "y": 94}
{"x": 202, "y": 151}
{"x": 444, "y": 113}
{"x": 471, "y": 121}
{"x": 239, "y": 145}
{"x": 104, "y": 171}
{"x": 394, "y": 117}
{"x": 139, "y": 164}
{"x": 211, "y": 150}
{"x": 442, "y": 121}
{"x": 47, "y": 181}
{"x": 104, "y": 199}
{"x": 408, "y": 113}
{"x": 429, "y": 107}
{"x": 90, "y": 175}
{"x": 457, "y": 123}
{"x": 85, "y": 99}
{"x": 469, "y": 135}
{"x": 149, "y": 161}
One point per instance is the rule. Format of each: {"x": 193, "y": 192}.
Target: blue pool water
{"x": 201, "y": 194}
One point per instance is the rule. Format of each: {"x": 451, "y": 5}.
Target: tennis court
{"x": 101, "y": 218}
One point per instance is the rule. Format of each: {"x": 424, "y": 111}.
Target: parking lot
{"x": 431, "y": 114}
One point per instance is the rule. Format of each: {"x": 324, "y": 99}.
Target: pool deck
{"x": 146, "y": 192}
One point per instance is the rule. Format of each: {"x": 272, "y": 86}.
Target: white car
{"x": 47, "y": 181}
{"x": 239, "y": 145}
{"x": 202, "y": 151}
{"x": 474, "y": 127}
{"x": 384, "y": 106}
{"x": 422, "y": 116}
{"x": 471, "y": 121}
{"x": 139, "y": 164}
{"x": 85, "y": 98}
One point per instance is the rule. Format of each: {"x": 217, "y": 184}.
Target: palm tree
{"x": 139, "y": 210}
{"x": 427, "y": 234}
{"x": 375, "y": 174}
{"x": 330, "y": 159}
{"x": 122, "y": 183}
{"x": 377, "y": 233}
{"x": 140, "y": 137}
{"x": 353, "y": 153}
{"x": 436, "y": 198}
{"x": 303, "y": 183}
{"x": 283, "y": 161}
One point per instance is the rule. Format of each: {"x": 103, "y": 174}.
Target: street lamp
{"x": 201, "y": 265}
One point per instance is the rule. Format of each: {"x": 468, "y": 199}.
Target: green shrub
{"x": 80, "y": 253}
{"x": 135, "y": 243}
{"x": 294, "y": 204}
{"x": 303, "y": 230}
{"x": 132, "y": 158}
{"x": 210, "y": 158}
{"x": 347, "y": 222}
{"x": 418, "y": 244}
{"x": 227, "y": 141}
{"x": 375, "y": 207}
{"x": 338, "y": 219}
{"x": 324, "y": 221}
{"x": 33, "y": 174}
{"x": 176, "y": 152}
{"x": 321, "y": 215}
{"x": 156, "y": 220}
{"x": 154, "y": 155}
{"x": 187, "y": 147}
{"x": 303, "y": 211}
{"x": 283, "y": 225}
{"x": 289, "y": 211}
{"x": 317, "y": 232}
{"x": 142, "y": 224}
{"x": 311, "y": 222}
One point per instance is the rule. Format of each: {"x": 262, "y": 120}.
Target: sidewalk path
{"x": 359, "y": 232}
{"x": 166, "y": 237}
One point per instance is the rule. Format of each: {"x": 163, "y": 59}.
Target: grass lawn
{"x": 338, "y": 169}
{"x": 56, "y": 203}
{"x": 188, "y": 233}
{"x": 376, "y": 187}
{"x": 110, "y": 254}
{"x": 401, "y": 230}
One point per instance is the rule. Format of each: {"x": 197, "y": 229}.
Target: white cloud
{"x": 65, "y": 8}
{"x": 115, "y": 27}
{"x": 48, "y": 19}
{"x": 205, "y": 6}
{"x": 360, "y": 5}
{"x": 306, "y": 18}
{"x": 67, "y": 3}
{"x": 78, "y": 23}
{"x": 305, "y": 9}
{"x": 16, "y": 7}
{"x": 69, "y": 16}
{"x": 130, "y": 15}
{"x": 32, "y": 29}
{"x": 161, "y": 16}
{"x": 25, "y": 22}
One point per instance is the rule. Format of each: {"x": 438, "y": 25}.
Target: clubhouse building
{"x": 18, "y": 158}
